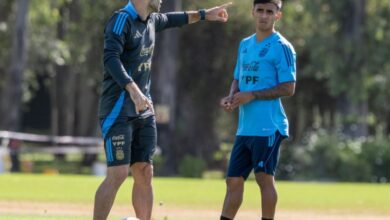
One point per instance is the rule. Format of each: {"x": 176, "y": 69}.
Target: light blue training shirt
{"x": 260, "y": 66}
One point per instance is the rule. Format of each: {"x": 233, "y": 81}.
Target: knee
{"x": 143, "y": 174}
{"x": 235, "y": 185}
{"x": 117, "y": 175}
{"x": 265, "y": 181}
{"x": 147, "y": 173}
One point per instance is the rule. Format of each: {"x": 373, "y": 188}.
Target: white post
{"x": 3, "y": 154}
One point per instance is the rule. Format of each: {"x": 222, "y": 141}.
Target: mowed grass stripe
{"x": 199, "y": 193}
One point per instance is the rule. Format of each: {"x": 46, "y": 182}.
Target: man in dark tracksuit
{"x": 126, "y": 110}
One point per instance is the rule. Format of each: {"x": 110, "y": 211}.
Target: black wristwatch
{"x": 202, "y": 13}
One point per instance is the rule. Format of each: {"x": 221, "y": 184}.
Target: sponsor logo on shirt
{"x": 253, "y": 66}
{"x": 250, "y": 79}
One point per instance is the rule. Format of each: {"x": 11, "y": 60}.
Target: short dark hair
{"x": 278, "y": 3}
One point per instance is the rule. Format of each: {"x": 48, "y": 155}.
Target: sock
{"x": 224, "y": 218}
{"x": 266, "y": 219}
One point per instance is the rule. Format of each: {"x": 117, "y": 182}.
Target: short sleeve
{"x": 286, "y": 63}
{"x": 237, "y": 68}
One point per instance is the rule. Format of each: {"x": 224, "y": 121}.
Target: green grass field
{"x": 187, "y": 194}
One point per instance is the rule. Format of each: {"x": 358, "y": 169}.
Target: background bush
{"x": 191, "y": 166}
{"x": 333, "y": 157}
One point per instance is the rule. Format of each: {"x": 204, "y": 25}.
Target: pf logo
{"x": 250, "y": 79}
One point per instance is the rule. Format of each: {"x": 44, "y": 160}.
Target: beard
{"x": 264, "y": 26}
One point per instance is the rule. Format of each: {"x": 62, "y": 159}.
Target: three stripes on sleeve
{"x": 288, "y": 54}
{"x": 120, "y": 23}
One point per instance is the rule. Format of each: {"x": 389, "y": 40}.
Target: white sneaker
{"x": 130, "y": 218}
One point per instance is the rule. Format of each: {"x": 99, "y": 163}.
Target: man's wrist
{"x": 233, "y": 92}
{"x": 202, "y": 13}
{"x": 132, "y": 88}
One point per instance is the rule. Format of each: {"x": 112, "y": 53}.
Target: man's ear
{"x": 279, "y": 15}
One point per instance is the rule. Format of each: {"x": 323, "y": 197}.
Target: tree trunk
{"x": 353, "y": 112}
{"x": 5, "y": 11}
{"x": 86, "y": 114}
{"x": 63, "y": 91}
{"x": 86, "y": 121}
{"x": 200, "y": 86}
{"x": 11, "y": 100}
{"x": 63, "y": 87}
{"x": 87, "y": 99}
{"x": 165, "y": 68}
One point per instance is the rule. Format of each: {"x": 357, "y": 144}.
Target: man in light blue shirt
{"x": 265, "y": 72}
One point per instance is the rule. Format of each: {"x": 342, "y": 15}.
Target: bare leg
{"x": 142, "y": 190}
{"x": 269, "y": 196}
{"x": 105, "y": 195}
{"x": 234, "y": 196}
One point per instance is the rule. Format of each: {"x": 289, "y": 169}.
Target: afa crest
{"x": 120, "y": 155}
{"x": 263, "y": 52}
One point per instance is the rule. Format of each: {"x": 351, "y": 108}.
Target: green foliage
{"x": 333, "y": 63}
{"x": 191, "y": 166}
{"x": 330, "y": 156}
{"x": 81, "y": 46}
{"x": 376, "y": 152}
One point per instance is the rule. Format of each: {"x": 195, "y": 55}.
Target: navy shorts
{"x": 130, "y": 140}
{"x": 253, "y": 152}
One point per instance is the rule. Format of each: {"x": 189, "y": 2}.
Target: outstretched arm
{"x": 217, "y": 13}
{"x": 178, "y": 19}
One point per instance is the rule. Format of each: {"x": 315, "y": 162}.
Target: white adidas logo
{"x": 137, "y": 35}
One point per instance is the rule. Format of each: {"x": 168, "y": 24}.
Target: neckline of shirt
{"x": 267, "y": 39}
{"x": 131, "y": 10}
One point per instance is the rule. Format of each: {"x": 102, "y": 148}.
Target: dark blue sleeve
{"x": 168, "y": 20}
{"x": 114, "y": 40}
